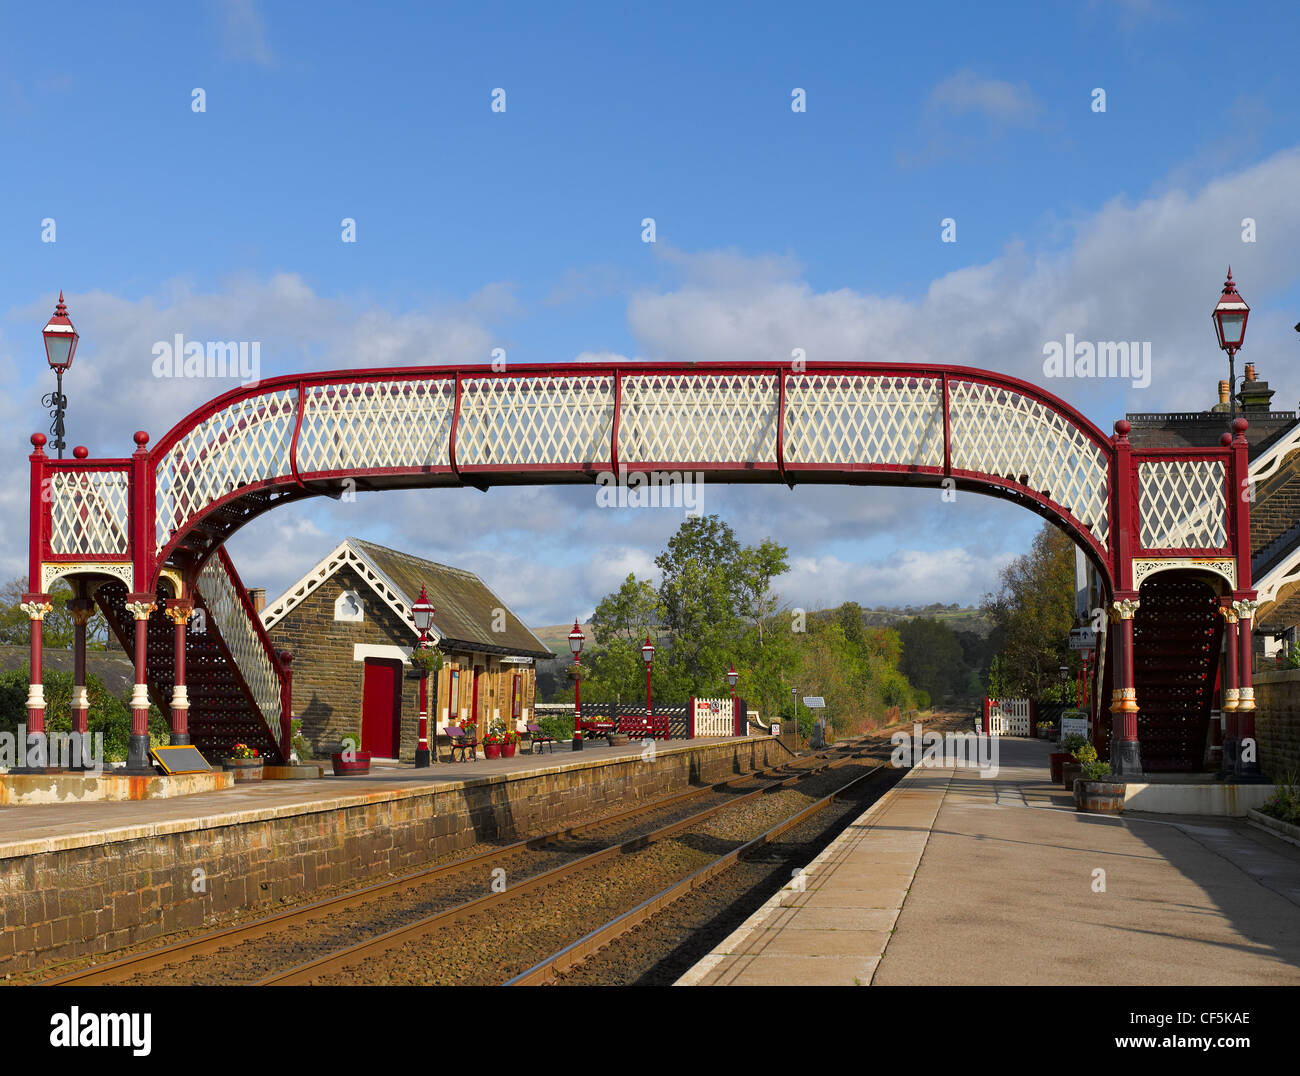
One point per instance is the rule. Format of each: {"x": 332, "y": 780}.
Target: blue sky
{"x": 522, "y": 229}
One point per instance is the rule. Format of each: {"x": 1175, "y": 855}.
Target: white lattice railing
{"x": 218, "y": 592}
{"x": 1182, "y": 504}
{"x": 695, "y": 419}
{"x": 245, "y": 442}
{"x": 714, "y": 717}
{"x": 1002, "y": 432}
{"x": 90, "y": 512}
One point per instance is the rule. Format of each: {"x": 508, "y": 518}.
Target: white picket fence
{"x": 714, "y": 717}
{"x": 1008, "y": 717}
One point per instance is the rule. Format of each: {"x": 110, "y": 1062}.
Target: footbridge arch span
{"x": 165, "y": 510}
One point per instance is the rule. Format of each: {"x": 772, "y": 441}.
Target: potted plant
{"x": 492, "y": 743}
{"x": 1046, "y": 730}
{"x": 245, "y": 762}
{"x": 351, "y": 759}
{"x": 1070, "y": 771}
{"x": 509, "y": 742}
{"x": 1095, "y": 792}
{"x": 1058, "y": 759}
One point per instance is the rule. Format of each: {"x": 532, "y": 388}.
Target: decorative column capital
{"x": 1245, "y": 610}
{"x": 36, "y": 606}
{"x": 81, "y": 610}
{"x": 141, "y": 609}
{"x": 1124, "y": 609}
{"x": 1228, "y": 613}
{"x": 179, "y": 610}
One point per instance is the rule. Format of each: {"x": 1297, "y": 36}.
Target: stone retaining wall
{"x": 111, "y": 890}
{"x": 1277, "y": 721}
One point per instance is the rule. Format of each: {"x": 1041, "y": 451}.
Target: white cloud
{"x": 243, "y": 32}
{"x": 965, "y": 92}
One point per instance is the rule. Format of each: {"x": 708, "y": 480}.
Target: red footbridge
{"x": 142, "y": 537}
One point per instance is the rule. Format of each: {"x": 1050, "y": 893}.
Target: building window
{"x": 349, "y": 609}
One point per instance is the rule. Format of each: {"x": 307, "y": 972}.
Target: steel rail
{"x": 550, "y": 969}
{"x": 312, "y": 970}
{"x": 151, "y": 959}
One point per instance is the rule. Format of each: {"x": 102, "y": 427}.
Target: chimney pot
{"x": 1250, "y": 371}
{"x": 1223, "y": 392}
{"x": 258, "y": 594}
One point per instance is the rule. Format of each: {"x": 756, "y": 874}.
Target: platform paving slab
{"x": 1004, "y": 891}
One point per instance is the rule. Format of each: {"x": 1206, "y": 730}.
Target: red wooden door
{"x": 381, "y": 707}
{"x": 473, "y": 712}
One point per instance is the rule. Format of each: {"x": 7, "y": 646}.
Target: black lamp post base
{"x": 421, "y": 758}
{"x": 577, "y": 741}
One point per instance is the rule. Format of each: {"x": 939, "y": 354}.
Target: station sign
{"x": 814, "y": 702}
{"x": 1074, "y": 722}
{"x": 1082, "y": 639}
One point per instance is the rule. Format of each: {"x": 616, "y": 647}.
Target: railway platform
{"x": 93, "y": 876}
{"x": 954, "y": 879}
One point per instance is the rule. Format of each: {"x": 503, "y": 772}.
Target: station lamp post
{"x": 60, "y": 349}
{"x": 422, "y": 613}
{"x": 576, "y": 639}
{"x": 1230, "y": 324}
{"x": 732, "y": 677}
{"x": 648, "y": 656}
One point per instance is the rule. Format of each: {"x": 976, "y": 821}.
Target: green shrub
{"x": 1072, "y": 743}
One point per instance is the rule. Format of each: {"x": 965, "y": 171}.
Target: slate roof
{"x": 464, "y": 607}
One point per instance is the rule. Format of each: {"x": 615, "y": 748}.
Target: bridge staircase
{"x": 1177, "y": 635}
{"x": 235, "y": 680}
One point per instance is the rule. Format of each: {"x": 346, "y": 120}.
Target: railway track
{"x": 552, "y": 968}
{"x": 170, "y": 961}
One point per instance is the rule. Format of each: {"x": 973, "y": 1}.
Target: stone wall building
{"x": 348, "y": 625}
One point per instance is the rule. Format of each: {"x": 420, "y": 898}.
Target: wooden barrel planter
{"x": 1057, "y": 760}
{"x": 1099, "y": 797}
{"x": 1070, "y": 771}
{"x": 357, "y": 762}
{"x": 244, "y": 769}
{"x": 617, "y": 739}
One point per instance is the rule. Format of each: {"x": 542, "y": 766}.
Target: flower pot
{"x": 357, "y": 762}
{"x": 1069, "y": 772}
{"x": 491, "y": 750}
{"x": 508, "y": 750}
{"x": 1099, "y": 797}
{"x": 1057, "y": 760}
{"x": 244, "y": 769}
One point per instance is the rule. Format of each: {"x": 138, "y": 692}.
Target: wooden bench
{"x": 539, "y": 739}
{"x": 460, "y": 741}
{"x": 596, "y": 727}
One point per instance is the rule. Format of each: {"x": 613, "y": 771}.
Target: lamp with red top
{"x": 422, "y": 613}
{"x": 1230, "y": 316}
{"x": 60, "y": 349}
{"x": 576, "y": 639}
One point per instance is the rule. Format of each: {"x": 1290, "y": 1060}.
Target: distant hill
{"x": 557, "y": 636}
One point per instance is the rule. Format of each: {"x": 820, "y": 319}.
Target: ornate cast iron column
{"x": 1125, "y": 758}
{"x": 36, "y": 606}
{"x": 1230, "y": 692}
{"x": 1248, "y": 751}
{"x": 179, "y": 611}
{"x": 137, "y": 753}
{"x": 81, "y": 610}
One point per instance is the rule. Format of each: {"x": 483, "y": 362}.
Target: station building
{"x": 348, "y": 625}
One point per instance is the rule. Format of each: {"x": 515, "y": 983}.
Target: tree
{"x": 932, "y": 657}
{"x": 16, "y": 626}
{"x": 711, "y": 588}
{"x": 1033, "y": 612}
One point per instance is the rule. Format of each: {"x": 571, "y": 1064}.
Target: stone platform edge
{"x": 331, "y": 802}
{"x": 726, "y": 948}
